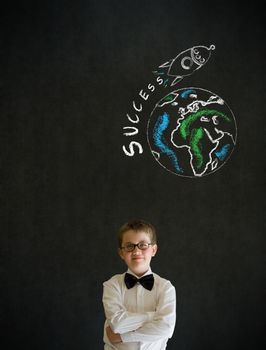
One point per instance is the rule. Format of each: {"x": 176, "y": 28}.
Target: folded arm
{"x": 120, "y": 320}
{"x": 163, "y": 322}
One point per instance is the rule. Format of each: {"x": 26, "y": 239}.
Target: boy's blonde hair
{"x": 137, "y": 225}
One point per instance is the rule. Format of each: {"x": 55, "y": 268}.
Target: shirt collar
{"x": 146, "y": 273}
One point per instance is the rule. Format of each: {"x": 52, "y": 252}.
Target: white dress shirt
{"x": 144, "y": 319}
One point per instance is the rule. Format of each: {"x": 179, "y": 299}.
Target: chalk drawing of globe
{"x": 191, "y": 132}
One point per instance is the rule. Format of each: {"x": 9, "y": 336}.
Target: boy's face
{"x": 138, "y": 261}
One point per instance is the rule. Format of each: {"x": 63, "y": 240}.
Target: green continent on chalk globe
{"x": 191, "y": 132}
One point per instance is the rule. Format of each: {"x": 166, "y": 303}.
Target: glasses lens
{"x": 129, "y": 247}
{"x": 143, "y": 245}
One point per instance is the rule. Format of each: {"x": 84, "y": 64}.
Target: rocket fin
{"x": 177, "y": 80}
{"x": 166, "y": 64}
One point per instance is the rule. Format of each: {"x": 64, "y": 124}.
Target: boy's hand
{"x": 113, "y": 337}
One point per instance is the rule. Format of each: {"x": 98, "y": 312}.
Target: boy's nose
{"x": 136, "y": 250}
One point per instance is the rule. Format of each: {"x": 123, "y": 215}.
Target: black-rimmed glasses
{"x": 130, "y": 247}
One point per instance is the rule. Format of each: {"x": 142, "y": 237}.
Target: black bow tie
{"x": 146, "y": 281}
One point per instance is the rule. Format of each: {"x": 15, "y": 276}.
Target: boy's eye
{"x": 143, "y": 245}
{"x": 129, "y": 246}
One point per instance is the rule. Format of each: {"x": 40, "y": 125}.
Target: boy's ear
{"x": 120, "y": 253}
{"x": 154, "y": 249}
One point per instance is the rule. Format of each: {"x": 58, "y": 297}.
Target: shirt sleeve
{"x": 163, "y": 323}
{"x": 119, "y": 319}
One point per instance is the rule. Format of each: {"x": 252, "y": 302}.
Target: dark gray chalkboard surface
{"x": 70, "y": 72}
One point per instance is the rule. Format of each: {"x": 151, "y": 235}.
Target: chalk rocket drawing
{"x": 184, "y": 64}
{"x": 191, "y": 131}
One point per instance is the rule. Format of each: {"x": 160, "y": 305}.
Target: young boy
{"x": 140, "y": 306}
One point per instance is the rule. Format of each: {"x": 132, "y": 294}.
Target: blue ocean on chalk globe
{"x": 191, "y": 132}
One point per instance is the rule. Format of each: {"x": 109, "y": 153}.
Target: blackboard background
{"x": 69, "y": 74}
